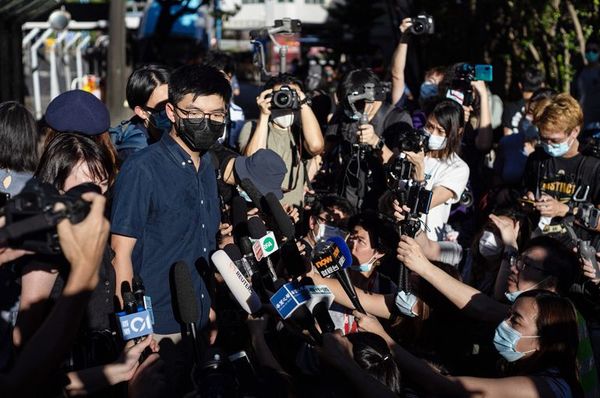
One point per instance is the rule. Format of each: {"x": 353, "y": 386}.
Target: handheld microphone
{"x": 236, "y": 282}
{"x": 186, "y": 303}
{"x": 253, "y": 193}
{"x": 332, "y": 258}
{"x": 319, "y": 303}
{"x": 139, "y": 291}
{"x": 289, "y": 251}
{"x": 134, "y": 324}
{"x": 239, "y": 218}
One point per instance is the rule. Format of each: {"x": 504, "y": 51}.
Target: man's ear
{"x": 142, "y": 114}
{"x": 576, "y": 131}
{"x": 170, "y": 112}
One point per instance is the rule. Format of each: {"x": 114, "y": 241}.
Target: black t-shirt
{"x": 513, "y": 114}
{"x": 564, "y": 178}
{"x": 361, "y": 181}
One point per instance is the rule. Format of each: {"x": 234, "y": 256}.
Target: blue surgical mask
{"x": 160, "y": 121}
{"x": 428, "y": 90}
{"x": 405, "y": 303}
{"x": 513, "y": 296}
{"x": 592, "y": 56}
{"x": 557, "y": 150}
{"x": 365, "y": 267}
{"x": 244, "y": 195}
{"x": 505, "y": 341}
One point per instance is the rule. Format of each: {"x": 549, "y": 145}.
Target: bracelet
{"x": 307, "y": 100}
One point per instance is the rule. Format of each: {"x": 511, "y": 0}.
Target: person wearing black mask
{"x": 166, "y": 206}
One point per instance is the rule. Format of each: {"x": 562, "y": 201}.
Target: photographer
{"x": 558, "y": 175}
{"x": 275, "y": 129}
{"x": 359, "y": 149}
{"x": 440, "y": 168}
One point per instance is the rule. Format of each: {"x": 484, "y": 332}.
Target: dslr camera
{"x": 422, "y": 24}
{"x": 414, "y": 140}
{"x": 461, "y": 89}
{"x": 285, "y": 98}
{"x": 31, "y": 219}
{"x": 588, "y": 215}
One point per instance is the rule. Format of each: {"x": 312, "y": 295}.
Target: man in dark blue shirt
{"x": 165, "y": 206}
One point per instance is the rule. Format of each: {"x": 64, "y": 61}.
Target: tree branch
{"x": 578, "y": 30}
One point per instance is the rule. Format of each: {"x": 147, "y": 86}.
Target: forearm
{"x": 484, "y": 138}
{"x": 123, "y": 267}
{"x": 386, "y": 154}
{"x": 422, "y": 373}
{"x": 90, "y": 380}
{"x": 398, "y": 65}
{"x": 258, "y": 140}
{"x": 313, "y": 137}
{"x": 44, "y": 352}
{"x": 375, "y": 304}
{"x": 463, "y": 296}
{"x": 264, "y": 354}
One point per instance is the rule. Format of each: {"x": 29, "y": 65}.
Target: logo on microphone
{"x": 135, "y": 325}
{"x": 265, "y": 246}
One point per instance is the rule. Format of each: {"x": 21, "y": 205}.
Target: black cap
{"x": 78, "y": 111}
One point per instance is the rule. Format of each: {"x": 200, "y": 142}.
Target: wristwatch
{"x": 307, "y": 100}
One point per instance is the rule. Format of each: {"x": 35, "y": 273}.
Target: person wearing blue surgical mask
{"x": 147, "y": 95}
{"x": 368, "y": 249}
{"x": 539, "y": 339}
{"x": 439, "y": 166}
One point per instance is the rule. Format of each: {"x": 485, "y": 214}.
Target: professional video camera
{"x": 422, "y": 24}
{"x": 285, "y": 98}
{"x": 31, "y": 217}
{"x": 461, "y": 89}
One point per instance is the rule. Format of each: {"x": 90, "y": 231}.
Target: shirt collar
{"x": 179, "y": 155}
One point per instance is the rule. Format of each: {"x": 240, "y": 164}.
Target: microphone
{"x": 236, "y": 256}
{"x": 289, "y": 302}
{"x": 186, "y": 303}
{"x": 333, "y": 257}
{"x": 265, "y": 245}
{"x": 239, "y": 218}
{"x": 139, "y": 291}
{"x": 134, "y": 324}
{"x": 295, "y": 264}
{"x": 253, "y": 193}
{"x": 319, "y": 303}
{"x": 236, "y": 282}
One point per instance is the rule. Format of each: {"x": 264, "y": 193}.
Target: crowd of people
{"x": 471, "y": 227}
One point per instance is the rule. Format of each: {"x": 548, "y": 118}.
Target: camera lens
{"x": 418, "y": 27}
{"x": 281, "y": 99}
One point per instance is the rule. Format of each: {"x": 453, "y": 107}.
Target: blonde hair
{"x": 559, "y": 112}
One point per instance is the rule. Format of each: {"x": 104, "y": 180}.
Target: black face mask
{"x": 199, "y": 135}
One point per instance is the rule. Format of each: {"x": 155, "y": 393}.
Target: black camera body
{"x": 422, "y": 25}
{"x": 31, "y": 219}
{"x": 413, "y": 140}
{"x": 285, "y": 98}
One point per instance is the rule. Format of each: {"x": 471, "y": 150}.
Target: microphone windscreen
{"x": 253, "y": 192}
{"x": 185, "y": 294}
{"x": 129, "y": 302}
{"x": 233, "y": 252}
{"x": 256, "y": 228}
{"x": 282, "y": 220}
{"x": 344, "y": 249}
{"x": 236, "y": 282}
{"x": 125, "y": 288}
{"x": 246, "y": 246}
{"x": 239, "y": 217}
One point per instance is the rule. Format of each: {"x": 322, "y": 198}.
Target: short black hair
{"x": 532, "y": 79}
{"x": 198, "y": 80}
{"x": 142, "y": 82}
{"x": 354, "y": 81}
{"x": 560, "y": 262}
{"x": 18, "y": 138}
{"x": 282, "y": 79}
{"x": 382, "y": 235}
{"x": 63, "y": 153}
{"x": 221, "y": 61}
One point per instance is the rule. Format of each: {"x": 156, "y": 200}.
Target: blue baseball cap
{"x": 265, "y": 169}
{"x": 78, "y": 111}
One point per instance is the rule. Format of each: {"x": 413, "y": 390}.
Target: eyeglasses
{"x": 522, "y": 262}
{"x": 197, "y": 116}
